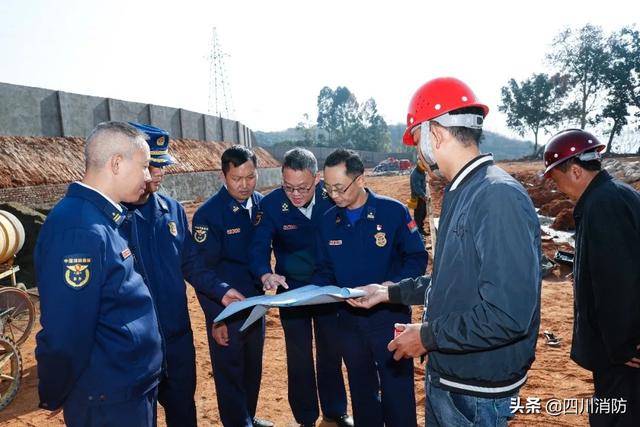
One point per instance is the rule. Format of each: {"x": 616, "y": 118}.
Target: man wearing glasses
{"x": 367, "y": 238}
{"x": 290, "y": 217}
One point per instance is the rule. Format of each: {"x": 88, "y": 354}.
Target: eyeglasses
{"x": 301, "y": 190}
{"x": 336, "y": 189}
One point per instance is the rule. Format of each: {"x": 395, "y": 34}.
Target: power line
{"x": 220, "y": 100}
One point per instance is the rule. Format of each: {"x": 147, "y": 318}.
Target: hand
{"x": 375, "y": 295}
{"x": 220, "y": 334}
{"x": 635, "y": 361}
{"x": 408, "y": 344}
{"x": 232, "y": 296}
{"x": 272, "y": 281}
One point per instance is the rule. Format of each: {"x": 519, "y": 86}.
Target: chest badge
{"x": 258, "y": 218}
{"x": 173, "y": 228}
{"x": 381, "y": 239}
{"x": 371, "y": 215}
{"x": 200, "y": 233}
{"x": 235, "y": 208}
{"x": 285, "y": 207}
{"x": 77, "y": 272}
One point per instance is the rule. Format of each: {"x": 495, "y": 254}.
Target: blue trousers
{"x": 448, "y": 409}
{"x": 178, "y": 385}
{"x": 138, "y": 412}
{"x": 382, "y": 390}
{"x": 237, "y": 370}
{"x": 305, "y": 383}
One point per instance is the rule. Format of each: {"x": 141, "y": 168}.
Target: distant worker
{"x": 291, "y": 215}
{"x": 606, "y": 273}
{"x": 159, "y": 229}
{"x": 223, "y": 229}
{"x": 368, "y": 238}
{"x": 419, "y": 195}
{"x": 482, "y": 301}
{"x": 99, "y": 352}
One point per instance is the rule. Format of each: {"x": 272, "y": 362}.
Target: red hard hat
{"x": 566, "y": 144}
{"x": 437, "y": 97}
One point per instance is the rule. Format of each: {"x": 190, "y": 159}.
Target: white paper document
{"x": 305, "y": 295}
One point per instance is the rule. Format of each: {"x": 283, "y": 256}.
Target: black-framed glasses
{"x": 334, "y": 189}
{"x": 301, "y": 190}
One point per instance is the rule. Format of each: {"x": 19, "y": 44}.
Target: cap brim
{"x": 161, "y": 161}
{"x": 407, "y": 138}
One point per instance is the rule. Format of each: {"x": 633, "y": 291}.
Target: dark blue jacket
{"x": 219, "y": 250}
{"x": 162, "y": 229}
{"x": 100, "y": 334}
{"x": 418, "y": 183}
{"x": 606, "y": 326}
{"x": 482, "y": 305}
{"x": 384, "y": 244}
{"x": 292, "y": 236}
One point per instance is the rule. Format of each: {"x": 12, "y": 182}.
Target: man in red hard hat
{"x": 606, "y": 272}
{"x": 482, "y": 300}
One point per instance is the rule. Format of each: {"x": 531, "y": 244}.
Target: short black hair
{"x": 350, "y": 158}
{"x": 300, "y": 159}
{"x": 466, "y": 135}
{"x": 590, "y": 165}
{"x": 237, "y": 155}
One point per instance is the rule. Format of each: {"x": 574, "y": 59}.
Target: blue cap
{"x": 158, "y": 140}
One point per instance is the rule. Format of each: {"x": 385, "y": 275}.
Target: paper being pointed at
{"x": 305, "y": 295}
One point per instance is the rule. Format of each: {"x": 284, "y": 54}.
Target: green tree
{"x": 534, "y": 104}
{"x": 622, "y": 79}
{"x": 349, "y": 125}
{"x": 306, "y": 130}
{"x": 583, "y": 57}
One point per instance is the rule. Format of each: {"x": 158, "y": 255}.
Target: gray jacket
{"x": 482, "y": 303}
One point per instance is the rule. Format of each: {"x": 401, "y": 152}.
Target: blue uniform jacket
{"x": 162, "y": 229}
{"x": 382, "y": 245}
{"x": 219, "y": 250}
{"x": 292, "y": 236}
{"x": 100, "y": 338}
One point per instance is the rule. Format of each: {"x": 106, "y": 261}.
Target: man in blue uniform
{"x": 159, "y": 229}
{"x": 222, "y": 231}
{"x": 369, "y": 238}
{"x": 290, "y": 217}
{"x": 99, "y": 352}
{"x": 482, "y": 301}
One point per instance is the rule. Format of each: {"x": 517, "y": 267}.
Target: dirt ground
{"x": 552, "y": 376}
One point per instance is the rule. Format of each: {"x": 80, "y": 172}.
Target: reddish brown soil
{"x": 553, "y": 375}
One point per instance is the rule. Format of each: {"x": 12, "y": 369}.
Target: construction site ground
{"x": 552, "y": 376}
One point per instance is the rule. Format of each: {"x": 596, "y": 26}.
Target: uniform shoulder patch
{"x": 412, "y": 226}
{"x": 77, "y": 271}
{"x": 200, "y": 233}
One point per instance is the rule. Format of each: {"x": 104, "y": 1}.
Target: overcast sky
{"x": 281, "y": 53}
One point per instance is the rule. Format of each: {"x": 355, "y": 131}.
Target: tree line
{"x": 594, "y": 81}
{"x": 343, "y": 121}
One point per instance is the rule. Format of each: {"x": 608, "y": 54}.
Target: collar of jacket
{"x": 103, "y": 205}
{"x": 598, "y": 180}
{"x": 233, "y": 204}
{"x": 368, "y": 211}
{"x": 468, "y": 170}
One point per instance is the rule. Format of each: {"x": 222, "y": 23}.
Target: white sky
{"x": 283, "y": 52}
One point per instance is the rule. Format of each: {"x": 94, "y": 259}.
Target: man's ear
{"x": 317, "y": 179}
{"x": 116, "y": 163}
{"x": 576, "y": 172}
{"x": 438, "y": 133}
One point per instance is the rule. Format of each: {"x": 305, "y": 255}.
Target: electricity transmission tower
{"x": 220, "y": 101}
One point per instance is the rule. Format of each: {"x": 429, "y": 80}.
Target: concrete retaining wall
{"x": 183, "y": 187}
{"x": 369, "y": 158}
{"x": 29, "y": 111}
